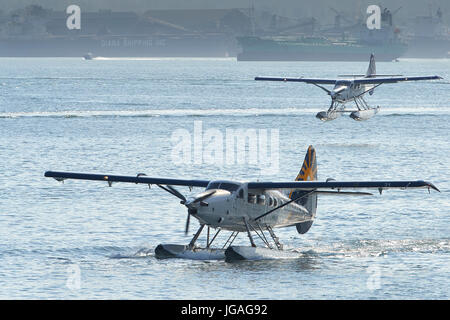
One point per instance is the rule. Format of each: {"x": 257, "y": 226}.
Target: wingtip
{"x": 432, "y": 186}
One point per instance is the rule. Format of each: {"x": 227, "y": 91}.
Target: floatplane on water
{"x": 255, "y": 208}
{"x": 351, "y": 89}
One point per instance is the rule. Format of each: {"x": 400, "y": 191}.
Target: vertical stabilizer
{"x": 372, "y": 70}
{"x": 308, "y": 172}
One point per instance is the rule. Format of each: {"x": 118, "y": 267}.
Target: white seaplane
{"x": 351, "y": 89}
{"x": 254, "y": 208}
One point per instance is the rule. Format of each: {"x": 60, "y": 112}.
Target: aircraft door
{"x": 241, "y": 198}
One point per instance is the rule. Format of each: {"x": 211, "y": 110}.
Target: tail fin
{"x": 372, "y": 70}
{"x": 308, "y": 172}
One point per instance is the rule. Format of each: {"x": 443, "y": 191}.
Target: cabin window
{"x": 270, "y": 201}
{"x": 241, "y": 193}
{"x": 251, "y": 198}
{"x": 261, "y": 199}
{"x": 275, "y": 202}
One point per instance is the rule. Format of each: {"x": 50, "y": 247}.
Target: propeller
{"x": 188, "y": 203}
{"x": 193, "y": 210}
{"x": 200, "y": 197}
{"x": 336, "y": 91}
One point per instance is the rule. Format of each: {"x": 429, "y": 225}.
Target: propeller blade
{"x": 188, "y": 220}
{"x": 177, "y": 193}
{"x": 204, "y": 197}
{"x": 200, "y": 199}
{"x": 174, "y": 192}
{"x": 186, "y": 230}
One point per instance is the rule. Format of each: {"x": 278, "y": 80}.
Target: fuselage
{"x": 346, "y": 90}
{"x": 232, "y": 203}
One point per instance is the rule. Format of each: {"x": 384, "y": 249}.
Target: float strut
{"x": 249, "y": 234}
{"x": 197, "y": 234}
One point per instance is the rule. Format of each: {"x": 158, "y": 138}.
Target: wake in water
{"x": 210, "y": 112}
{"x": 164, "y": 59}
{"x": 342, "y": 249}
{"x": 141, "y": 253}
{"x": 376, "y": 248}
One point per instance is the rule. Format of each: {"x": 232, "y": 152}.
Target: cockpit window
{"x": 213, "y": 185}
{"x": 342, "y": 83}
{"x": 223, "y": 185}
{"x": 229, "y": 186}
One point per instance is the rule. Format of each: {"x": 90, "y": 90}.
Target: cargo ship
{"x": 354, "y": 42}
{"x": 38, "y": 32}
{"x": 212, "y": 45}
{"x": 430, "y": 37}
{"x": 315, "y": 49}
{"x": 425, "y": 37}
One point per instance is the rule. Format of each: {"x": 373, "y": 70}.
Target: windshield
{"x": 229, "y": 186}
{"x": 213, "y": 185}
{"x": 342, "y": 83}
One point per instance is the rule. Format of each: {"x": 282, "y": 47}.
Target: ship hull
{"x": 428, "y": 48}
{"x": 254, "y": 49}
{"x": 119, "y": 46}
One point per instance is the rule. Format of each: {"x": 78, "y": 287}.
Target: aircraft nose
{"x": 192, "y": 211}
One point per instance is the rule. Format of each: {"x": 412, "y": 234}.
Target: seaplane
{"x": 253, "y": 208}
{"x": 351, "y": 88}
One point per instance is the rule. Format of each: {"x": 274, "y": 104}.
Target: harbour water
{"x": 84, "y": 240}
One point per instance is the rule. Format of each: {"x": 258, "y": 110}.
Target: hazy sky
{"x": 320, "y": 9}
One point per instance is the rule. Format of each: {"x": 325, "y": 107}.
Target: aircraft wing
{"x": 316, "y": 185}
{"x": 60, "y": 176}
{"x": 393, "y": 79}
{"x": 306, "y": 80}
